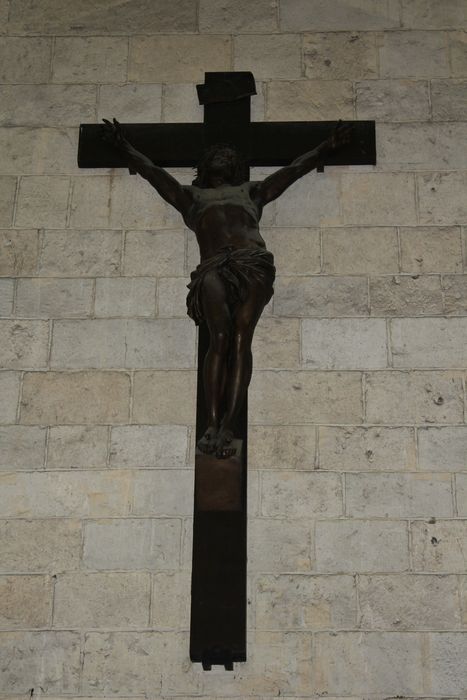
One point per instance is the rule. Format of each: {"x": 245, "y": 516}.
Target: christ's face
{"x": 221, "y": 168}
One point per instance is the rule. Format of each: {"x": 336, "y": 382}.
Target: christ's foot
{"x": 223, "y": 444}
{"x": 207, "y": 443}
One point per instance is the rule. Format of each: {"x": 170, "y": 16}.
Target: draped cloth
{"x": 237, "y": 267}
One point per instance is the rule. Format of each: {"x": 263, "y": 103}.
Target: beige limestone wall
{"x": 358, "y": 438}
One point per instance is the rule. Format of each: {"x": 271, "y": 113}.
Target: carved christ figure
{"x": 234, "y": 280}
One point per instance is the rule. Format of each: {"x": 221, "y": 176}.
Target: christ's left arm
{"x": 274, "y": 185}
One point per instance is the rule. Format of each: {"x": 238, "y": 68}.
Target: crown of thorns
{"x": 239, "y": 164}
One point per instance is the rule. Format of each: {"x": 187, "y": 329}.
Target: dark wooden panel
{"x": 264, "y": 143}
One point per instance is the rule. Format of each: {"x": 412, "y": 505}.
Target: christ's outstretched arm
{"x": 273, "y": 186}
{"x": 166, "y": 185}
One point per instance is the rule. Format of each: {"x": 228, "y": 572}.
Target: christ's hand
{"x": 113, "y": 133}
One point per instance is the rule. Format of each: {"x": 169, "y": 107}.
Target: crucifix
{"x": 227, "y": 294}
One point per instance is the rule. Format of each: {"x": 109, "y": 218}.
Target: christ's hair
{"x": 239, "y": 164}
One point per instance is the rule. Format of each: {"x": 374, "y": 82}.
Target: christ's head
{"x": 221, "y": 165}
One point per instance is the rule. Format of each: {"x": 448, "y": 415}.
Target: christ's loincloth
{"x": 237, "y": 267}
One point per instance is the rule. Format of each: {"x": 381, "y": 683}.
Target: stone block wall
{"x": 358, "y": 437}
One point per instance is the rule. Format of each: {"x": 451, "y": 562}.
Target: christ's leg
{"x": 219, "y": 322}
{"x": 241, "y": 364}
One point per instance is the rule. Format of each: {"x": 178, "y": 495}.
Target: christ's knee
{"x": 220, "y": 340}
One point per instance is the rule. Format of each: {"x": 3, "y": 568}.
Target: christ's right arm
{"x": 166, "y": 185}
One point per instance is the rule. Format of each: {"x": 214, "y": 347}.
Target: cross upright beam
{"x": 219, "y": 603}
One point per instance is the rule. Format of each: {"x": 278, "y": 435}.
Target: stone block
{"x": 77, "y": 447}
{"x": 121, "y": 202}
{"x": 398, "y": 495}
{"x": 280, "y": 546}
{"x": 442, "y": 198}
{"x": 305, "y": 602}
{"x": 53, "y": 398}
{"x": 429, "y": 342}
{"x": 297, "y": 494}
{"x": 344, "y": 343}
{"x": 130, "y": 103}
{"x": 448, "y": 98}
{"x": 309, "y": 100}
{"x": 90, "y": 600}
{"x": 237, "y": 17}
{"x": 401, "y": 295}
{"x": 287, "y": 397}
{"x": 125, "y": 296}
{"x": 6, "y": 296}
{"x": 366, "y": 449}
{"x": 276, "y": 343}
{"x": 414, "y": 397}
{"x": 80, "y": 253}
{"x": 51, "y": 105}
{"x": 296, "y": 250}
{"x": 129, "y": 544}
{"x": 171, "y": 597}
{"x": 429, "y": 14}
{"x": 372, "y": 662}
{"x": 321, "y": 296}
{"x": 458, "y": 53}
{"x": 124, "y": 662}
{"x": 393, "y": 100}
{"x": 65, "y": 494}
{"x": 149, "y": 446}
{"x": 39, "y": 546}
{"x": 461, "y": 494}
{"x": 282, "y": 446}
{"x": 422, "y": 146}
{"x": 378, "y": 199}
{"x": 357, "y": 250}
{"x": 439, "y": 547}
{"x": 163, "y": 492}
{"x": 430, "y": 249}
{"x": 318, "y": 15}
{"x": 42, "y": 202}
{"x": 455, "y": 294}
{"x": 361, "y": 545}
{"x": 23, "y": 447}
{"x": 7, "y": 200}
{"x": 19, "y": 253}
{"x": 171, "y": 297}
{"x": 443, "y": 449}
{"x": 9, "y": 395}
{"x": 65, "y": 17}
{"x": 54, "y": 298}
{"x": 24, "y": 344}
{"x": 25, "y": 601}
{"x": 410, "y": 602}
{"x": 273, "y": 56}
{"x": 341, "y": 56}
{"x": 447, "y": 670}
{"x": 314, "y": 200}
{"x": 47, "y": 660}
{"x": 112, "y": 343}
{"x": 160, "y": 253}
{"x": 25, "y": 60}
{"x": 90, "y": 59}
{"x": 463, "y": 597}
{"x": 156, "y": 397}
{"x": 4, "y": 7}
{"x": 180, "y": 103}
{"x": 34, "y": 151}
{"x": 178, "y": 59}
{"x": 414, "y": 54}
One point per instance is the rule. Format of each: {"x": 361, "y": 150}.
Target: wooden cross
{"x": 218, "y": 602}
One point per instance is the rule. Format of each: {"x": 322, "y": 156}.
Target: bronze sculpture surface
{"x": 234, "y": 280}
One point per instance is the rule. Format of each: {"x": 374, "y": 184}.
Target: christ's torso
{"x": 224, "y": 216}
